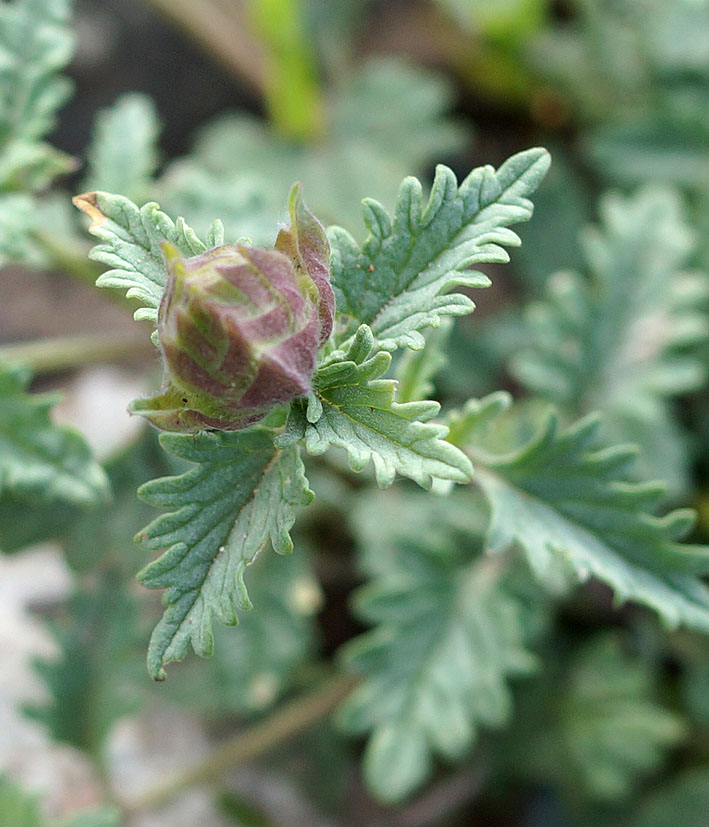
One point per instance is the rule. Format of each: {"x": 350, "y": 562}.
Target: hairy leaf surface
{"x": 39, "y": 461}
{"x": 448, "y": 636}
{"x": 354, "y": 409}
{"x": 398, "y": 282}
{"x": 242, "y": 493}
{"x": 626, "y": 338}
{"x": 36, "y": 42}
{"x": 88, "y": 690}
{"x": 130, "y": 245}
{"x": 570, "y": 505}
{"x": 611, "y": 729}
{"x": 123, "y": 152}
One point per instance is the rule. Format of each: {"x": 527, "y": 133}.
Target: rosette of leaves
{"x": 248, "y": 480}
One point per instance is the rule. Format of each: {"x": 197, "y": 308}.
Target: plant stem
{"x": 47, "y": 355}
{"x": 224, "y": 35}
{"x": 282, "y": 724}
{"x": 71, "y": 259}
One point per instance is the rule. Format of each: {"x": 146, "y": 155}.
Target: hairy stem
{"x": 73, "y": 260}
{"x": 69, "y": 258}
{"x": 47, "y": 355}
{"x": 282, "y": 724}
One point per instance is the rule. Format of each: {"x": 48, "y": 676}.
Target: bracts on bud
{"x": 240, "y": 328}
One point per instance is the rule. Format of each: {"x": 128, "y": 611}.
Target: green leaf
{"x": 87, "y": 684}
{"x": 36, "y": 42}
{"x": 123, "y": 153}
{"x": 131, "y": 238}
{"x": 658, "y": 149}
{"x": 41, "y": 462}
{"x": 417, "y": 368}
{"x": 398, "y": 282}
{"x": 381, "y": 121}
{"x": 569, "y": 504}
{"x": 105, "y": 817}
{"x": 354, "y": 409}
{"x": 21, "y": 809}
{"x": 383, "y": 522}
{"x": 611, "y": 729}
{"x": 622, "y": 336}
{"x": 626, "y": 338}
{"x": 18, "y": 808}
{"x": 242, "y": 493}
{"x": 16, "y": 212}
{"x": 448, "y": 636}
{"x": 252, "y": 668}
{"x": 683, "y": 800}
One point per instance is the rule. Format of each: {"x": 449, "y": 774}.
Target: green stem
{"x": 292, "y": 89}
{"x": 47, "y": 355}
{"x": 282, "y": 724}
{"x": 70, "y": 258}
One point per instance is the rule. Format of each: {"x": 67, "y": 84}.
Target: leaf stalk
{"x": 278, "y": 727}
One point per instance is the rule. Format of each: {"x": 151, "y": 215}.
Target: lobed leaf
{"x": 250, "y": 670}
{"x": 448, "y": 636}
{"x": 352, "y": 408}
{"x": 41, "y": 462}
{"x": 242, "y": 494}
{"x": 131, "y": 238}
{"x": 622, "y": 336}
{"x": 123, "y": 153}
{"x": 611, "y": 729}
{"x": 398, "y": 282}
{"x": 627, "y": 337}
{"x": 36, "y": 42}
{"x": 87, "y": 686}
{"x": 572, "y": 508}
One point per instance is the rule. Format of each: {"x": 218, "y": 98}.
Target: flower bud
{"x": 240, "y": 327}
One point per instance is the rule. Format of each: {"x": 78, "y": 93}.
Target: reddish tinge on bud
{"x": 240, "y": 328}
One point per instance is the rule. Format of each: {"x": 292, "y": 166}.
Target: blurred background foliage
{"x": 576, "y": 712}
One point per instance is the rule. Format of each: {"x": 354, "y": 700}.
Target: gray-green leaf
{"x": 243, "y": 492}
{"x": 123, "y": 152}
{"x": 36, "y": 42}
{"x": 570, "y": 505}
{"x": 626, "y": 337}
{"x": 448, "y": 636}
{"x": 39, "y": 461}
{"x": 354, "y": 409}
{"x": 131, "y": 238}
{"x": 398, "y": 282}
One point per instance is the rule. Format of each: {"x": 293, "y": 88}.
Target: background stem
{"x": 47, "y": 355}
{"x": 282, "y": 724}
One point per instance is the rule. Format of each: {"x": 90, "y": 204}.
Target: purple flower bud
{"x": 240, "y": 328}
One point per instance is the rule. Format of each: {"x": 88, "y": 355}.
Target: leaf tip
{"x": 87, "y": 202}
